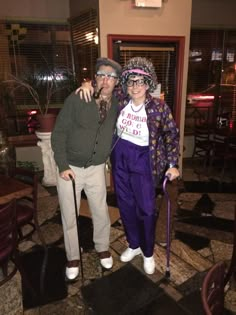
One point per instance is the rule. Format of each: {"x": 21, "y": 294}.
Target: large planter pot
{"x": 49, "y": 164}
{"x": 46, "y": 122}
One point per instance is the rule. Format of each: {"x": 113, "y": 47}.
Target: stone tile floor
{"x": 194, "y": 248}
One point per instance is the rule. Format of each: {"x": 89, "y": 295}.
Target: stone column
{"x": 49, "y": 178}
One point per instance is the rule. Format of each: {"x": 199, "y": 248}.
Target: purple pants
{"x": 135, "y": 194}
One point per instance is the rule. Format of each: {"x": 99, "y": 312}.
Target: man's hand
{"x": 66, "y": 174}
{"x": 172, "y": 173}
{"x": 85, "y": 91}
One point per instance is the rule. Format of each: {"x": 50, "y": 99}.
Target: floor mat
{"x": 210, "y": 223}
{"x": 196, "y": 242}
{"x": 212, "y": 186}
{"x": 193, "y": 302}
{"x": 54, "y": 285}
{"x": 123, "y": 292}
{"x": 164, "y": 305}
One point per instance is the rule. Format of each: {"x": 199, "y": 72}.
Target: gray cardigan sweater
{"x": 78, "y": 138}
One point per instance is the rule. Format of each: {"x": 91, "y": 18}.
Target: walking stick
{"x": 168, "y": 229}
{"x": 78, "y": 230}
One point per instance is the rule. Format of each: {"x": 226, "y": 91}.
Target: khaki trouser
{"x": 92, "y": 180}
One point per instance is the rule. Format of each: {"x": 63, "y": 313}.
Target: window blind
{"x": 84, "y": 34}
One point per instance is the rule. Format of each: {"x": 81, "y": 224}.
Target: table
{"x": 11, "y": 188}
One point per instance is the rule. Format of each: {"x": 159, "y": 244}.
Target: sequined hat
{"x": 140, "y": 66}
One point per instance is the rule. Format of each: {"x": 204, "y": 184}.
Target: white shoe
{"x": 107, "y": 263}
{"x": 72, "y": 273}
{"x": 162, "y": 244}
{"x": 106, "y": 259}
{"x": 149, "y": 265}
{"x": 129, "y": 254}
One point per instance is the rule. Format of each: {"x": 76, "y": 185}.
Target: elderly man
{"x": 81, "y": 141}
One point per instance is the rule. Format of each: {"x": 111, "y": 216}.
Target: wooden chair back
{"x": 8, "y": 239}
{"x": 27, "y": 207}
{"x": 212, "y": 293}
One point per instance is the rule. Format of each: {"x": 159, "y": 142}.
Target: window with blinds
{"x": 163, "y": 57}
{"x": 85, "y": 42}
{"x": 35, "y": 51}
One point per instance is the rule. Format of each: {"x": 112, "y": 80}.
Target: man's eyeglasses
{"x": 138, "y": 82}
{"x": 111, "y": 76}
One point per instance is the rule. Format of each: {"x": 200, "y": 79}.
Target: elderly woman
{"x": 146, "y": 148}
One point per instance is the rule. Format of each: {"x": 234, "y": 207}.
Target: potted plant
{"x": 43, "y": 86}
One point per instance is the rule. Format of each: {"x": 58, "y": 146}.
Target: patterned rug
{"x": 125, "y": 291}
{"x": 42, "y": 192}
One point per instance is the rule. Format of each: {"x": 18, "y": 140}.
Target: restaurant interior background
{"x": 64, "y": 52}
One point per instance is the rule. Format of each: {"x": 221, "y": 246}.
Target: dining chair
{"x": 8, "y": 240}
{"x": 202, "y": 142}
{"x": 27, "y": 207}
{"x": 9, "y": 247}
{"x": 212, "y": 293}
{"x": 231, "y": 272}
{"x": 223, "y": 151}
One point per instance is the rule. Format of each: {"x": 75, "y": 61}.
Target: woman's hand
{"x": 85, "y": 91}
{"x": 66, "y": 174}
{"x": 172, "y": 173}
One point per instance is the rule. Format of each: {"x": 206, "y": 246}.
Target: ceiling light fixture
{"x": 148, "y": 3}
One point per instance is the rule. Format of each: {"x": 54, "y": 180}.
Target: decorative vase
{"x": 46, "y": 122}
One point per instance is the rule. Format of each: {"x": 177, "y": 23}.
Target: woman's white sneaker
{"x": 149, "y": 265}
{"x": 129, "y": 254}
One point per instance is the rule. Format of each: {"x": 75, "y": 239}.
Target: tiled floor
{"x": 203, "y": 217}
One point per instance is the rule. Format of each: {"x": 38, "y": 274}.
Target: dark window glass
{"x": 211, "y": 77}
{"x": 37, "y": 54}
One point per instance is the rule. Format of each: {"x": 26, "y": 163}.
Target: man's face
{"x": 106, "y": 78}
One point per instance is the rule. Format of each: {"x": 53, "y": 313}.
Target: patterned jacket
{"x": 163, "y": 135}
